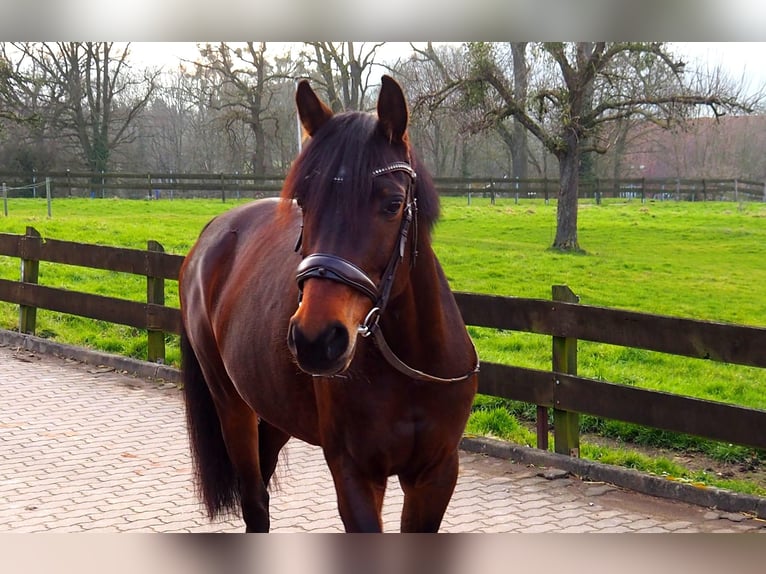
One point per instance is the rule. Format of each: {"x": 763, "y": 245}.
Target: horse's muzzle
{"x": 325, "y": 354}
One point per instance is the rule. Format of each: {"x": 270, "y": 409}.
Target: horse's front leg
{"x": 427, "y": 495}
{"x": 360, "y": 497}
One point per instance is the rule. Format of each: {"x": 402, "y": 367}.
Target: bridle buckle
{"x": 365, "y": 329}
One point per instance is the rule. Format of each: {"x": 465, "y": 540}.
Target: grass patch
{"x": 513, "y": 421}
{"x": 492, "y": 417}
{"x": 666, "y": 468}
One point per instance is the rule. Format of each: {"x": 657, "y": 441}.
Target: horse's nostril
{"x": 336, "y": 342}
{"x": 291, "y": 338}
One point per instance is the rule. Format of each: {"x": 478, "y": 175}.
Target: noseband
{"x": 334, "y": 268}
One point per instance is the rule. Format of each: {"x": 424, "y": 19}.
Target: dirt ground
{"x": 753, "y": 472}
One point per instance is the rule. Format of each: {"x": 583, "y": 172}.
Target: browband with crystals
{"x": 395, "y": 166}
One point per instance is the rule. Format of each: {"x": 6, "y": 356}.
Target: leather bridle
{"x": 335, "y": 268}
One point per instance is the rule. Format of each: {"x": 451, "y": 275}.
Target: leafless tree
{"x": 343, "y": 71}
{"x": 247, "y": 82}
{"x": 88, "y": 93}
{"x": 588, "y": 90}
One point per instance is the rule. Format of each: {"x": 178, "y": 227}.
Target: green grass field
{"x": 695, "y": 260}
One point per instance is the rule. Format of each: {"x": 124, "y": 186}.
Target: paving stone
{"x": 572, "y": 522}
{"x": 677, "y": 526}
{"x": 554, "y": 474}
{"x": 92, "y": 450}
{"x": 599, "y": 490}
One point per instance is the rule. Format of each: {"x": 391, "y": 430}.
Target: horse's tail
{"x": 215, "y": 476}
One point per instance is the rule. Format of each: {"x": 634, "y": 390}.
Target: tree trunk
{"x": 259, "y": 153}
{"x": 465, "y": 171}
{"x": 618, "y": 150}
{"x": 566, "y": 212}
{"x": 519, "y": 153}
{"x": 519, "y": 150}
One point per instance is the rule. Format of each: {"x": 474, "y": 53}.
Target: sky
{"x": 744, "y": 61}
{"x": 168, "y": 53}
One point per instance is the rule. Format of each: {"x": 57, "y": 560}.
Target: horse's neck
{"x": 424, "y": 326}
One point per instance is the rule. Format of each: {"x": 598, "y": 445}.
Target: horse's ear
{"x": 392, "y": 110}
{"x": 311, "y": 110}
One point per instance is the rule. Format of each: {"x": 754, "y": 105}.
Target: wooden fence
{"x": 563, "y": 319}
{"x": 168, "y": 186}
{"x": 643, "y": 189}
{"x": 143, "y": 185}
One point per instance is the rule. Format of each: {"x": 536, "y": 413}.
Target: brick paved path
{"x": 84, "y": 448}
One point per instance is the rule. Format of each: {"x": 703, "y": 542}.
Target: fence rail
{"x": 184, "y": 185}
{"x": 563, "y": 319}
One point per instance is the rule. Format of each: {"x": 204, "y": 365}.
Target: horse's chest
{"x": 388, "y": 433}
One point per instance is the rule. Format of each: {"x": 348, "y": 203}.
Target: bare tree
{"x": 30, "y": 140}
{"x": 518, "y": 143}
{"x": 567, "y": 115}
{"x": 247, "y": 82}
{"x": 169, "y": 121}
{"x": 467, "y": 104}
{"x": 435, "y": 129}
{"x": 514, "y": 136}
{"x": 343, "y": 70}
{"x": 89, "y": 94}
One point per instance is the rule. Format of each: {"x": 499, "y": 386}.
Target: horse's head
{"x": 354, "y": 182}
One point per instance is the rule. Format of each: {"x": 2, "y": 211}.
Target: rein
{"x": 334, "y": 268}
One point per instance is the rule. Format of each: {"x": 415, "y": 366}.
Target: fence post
{"x": 566, "y": 425}
{"x": 30, "y": 272}
{"x": 223, "y": 191}
{"x": 48, "y": 195}
{"x": 542, "y": 426}
{"x": 155, "y": 294}
{"x": 5, "y": 199}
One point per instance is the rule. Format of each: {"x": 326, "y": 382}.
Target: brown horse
{"x": 324, "y": 315}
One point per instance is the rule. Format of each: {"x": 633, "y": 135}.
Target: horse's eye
{"x": 393, "y": 207}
